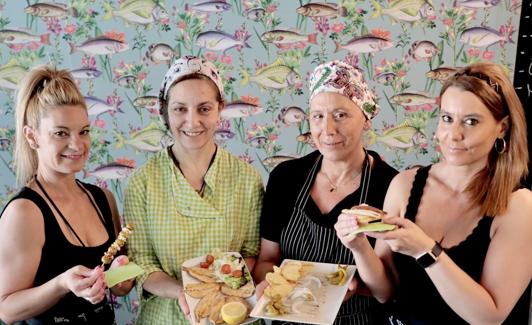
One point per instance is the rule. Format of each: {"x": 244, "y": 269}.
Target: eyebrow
{"x": 67, "y": 128}
{"x": 334, "y": 110}
{"x": 465, "y": 116}
{"x": 184, "y": 104}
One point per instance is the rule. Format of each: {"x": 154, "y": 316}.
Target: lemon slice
{"x": 343, "y": 276}
{"x": 234, "y": 312}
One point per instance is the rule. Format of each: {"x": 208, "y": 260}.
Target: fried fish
{"x": 204, "y": 275}
{"x": 243, "y": 292}
{"x": 200, "y": 290}
{"x": 216, "y": 306}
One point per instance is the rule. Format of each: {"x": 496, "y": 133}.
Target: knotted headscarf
{"x": 188, "y": 65}
{"x": 341, "y": 78}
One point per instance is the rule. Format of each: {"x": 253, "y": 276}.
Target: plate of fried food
{"x": 304, "y": 292}
{"x": 218, "y": 289}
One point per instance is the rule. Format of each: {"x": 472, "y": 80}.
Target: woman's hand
{"x": 117, "y": 262}
{"x": 351, "y": 288}
{"x": 407, "y": 238}
{"x": 259, "y": 288}
{"x": 183, "y": 303}
{"x": 85, "y": 283}
{"x": 345, "y": 227}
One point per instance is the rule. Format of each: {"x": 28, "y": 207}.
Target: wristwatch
{"x": 428, "y": 258}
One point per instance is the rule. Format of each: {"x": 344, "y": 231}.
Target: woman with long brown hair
{"x": 461, "y": 250}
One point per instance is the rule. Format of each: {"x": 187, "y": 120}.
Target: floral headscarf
{"x": 342, "y": 78}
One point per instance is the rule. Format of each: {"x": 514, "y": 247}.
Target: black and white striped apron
{"x": 304, "y": 239}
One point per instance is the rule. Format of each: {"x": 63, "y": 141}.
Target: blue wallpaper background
{"x": 265, "y": 49}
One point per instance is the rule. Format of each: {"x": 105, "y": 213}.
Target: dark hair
{"x": 163, "y": 103}
{"x": 492, "y": 186}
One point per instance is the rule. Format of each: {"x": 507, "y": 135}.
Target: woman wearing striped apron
{"x": 305, "y": 196}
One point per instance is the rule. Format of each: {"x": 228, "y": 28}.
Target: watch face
{"x": 426, "y": 260}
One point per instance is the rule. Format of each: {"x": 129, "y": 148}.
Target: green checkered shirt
{"x": 173, "y": 223}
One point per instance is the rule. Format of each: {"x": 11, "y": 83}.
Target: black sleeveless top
{"x": 418, "y": 298}
{"x": 58, "y": 255}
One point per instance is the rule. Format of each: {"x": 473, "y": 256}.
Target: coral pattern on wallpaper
{"x": 265, "y": 49}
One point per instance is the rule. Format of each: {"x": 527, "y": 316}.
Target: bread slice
{"x": 369, "y": 217}
{"x": 365, "y": 213}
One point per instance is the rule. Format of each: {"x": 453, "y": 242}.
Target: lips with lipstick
{"x": 73, "y": 156}
{"x": 192, "y": 133}
{"x": 370, "y": 218}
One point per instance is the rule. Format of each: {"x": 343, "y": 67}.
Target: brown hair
{"x": 42, "y": 89}
{"x": 491, "y": 187}
{"x": 163, "y": 103}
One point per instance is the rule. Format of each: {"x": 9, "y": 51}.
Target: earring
{"x": 500, "y": 148}
{"x": 34, "y": 145}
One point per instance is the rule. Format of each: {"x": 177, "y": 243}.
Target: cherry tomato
{"x": 209, "y": 259}
{"x": 226, "y": 269}
{"x": 236, "y": 273}
{"x": 204, "y": 265}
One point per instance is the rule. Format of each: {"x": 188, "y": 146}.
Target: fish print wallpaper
{"x": 119, "y": 50}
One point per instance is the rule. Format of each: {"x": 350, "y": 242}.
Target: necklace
{"x": 203, "y": 183}
{"x": 365, "y": 165}
{"x": 334, "y": 187}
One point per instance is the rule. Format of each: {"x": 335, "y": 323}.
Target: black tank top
{"x": 418, "y": 298}
{"x": 58, "y": 255}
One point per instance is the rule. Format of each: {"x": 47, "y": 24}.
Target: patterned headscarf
{"x": 188, "y": 65}
{"x": 342, "y": 78}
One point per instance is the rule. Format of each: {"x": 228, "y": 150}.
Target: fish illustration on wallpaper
{"x": 364, "y": 44}
{"x": 275, "y": 76}
{"x": 11, "y": 74}
{"x": 238, "y": 109}
{"x": 287, "y": 36}
{"x": 209, "y": 6}
{"x": 97, "y": 106}
{"x": 483, "y": 37}
{"x": 403, "y": 136}
{"x": 215, "y": 40}
{"x": 385, "y": 78}
{"x": 22, "y": 36}
{"x": 100, "y": 45}
{"x": 86, "y": 73}
{"x": 423, "y": 50}
{"x": 409, "y": 11}
{"x": 315, "y": 10}
{"x": 141, "y": 12}
{"x": 160, "y": 53}
{"x": 412, "y": 98}
{"x": 112, "y": 170}
{"x": 51, "y": 9}
{"x": 151, "y": 139}
{"x": 441, "y": 74}
{"x": 292, "y": 115}
{"x": 147, "y": 102}
{"x": 478, "y": 4}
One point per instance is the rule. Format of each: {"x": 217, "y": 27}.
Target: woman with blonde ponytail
{"x": 461, "y": 251}
{"x": 55, "y": 230}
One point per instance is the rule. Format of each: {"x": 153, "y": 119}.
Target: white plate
{"x": 192, "y": 302}
{"x": 330, "y": 299}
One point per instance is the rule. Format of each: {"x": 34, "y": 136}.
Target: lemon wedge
{"x": 234, "y": 312}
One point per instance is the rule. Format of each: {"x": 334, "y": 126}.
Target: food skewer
{"x": 117, "y": 244}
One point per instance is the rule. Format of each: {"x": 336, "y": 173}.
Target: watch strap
{"x": 430, "y": 257}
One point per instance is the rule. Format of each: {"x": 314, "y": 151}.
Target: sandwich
{"x": 369, "y": 218}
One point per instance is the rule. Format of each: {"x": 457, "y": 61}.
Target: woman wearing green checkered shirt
{"x": 190, "y": 199}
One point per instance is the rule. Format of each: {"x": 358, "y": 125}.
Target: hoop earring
{"x": 498, "y": 148}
